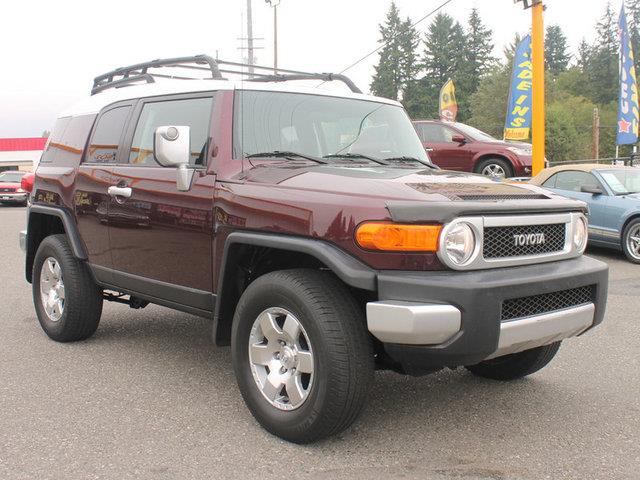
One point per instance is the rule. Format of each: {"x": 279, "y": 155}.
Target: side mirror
{"x": 591, "y": 189}
{"x": 172, "y": 148}
{"x": 457, "y": 138}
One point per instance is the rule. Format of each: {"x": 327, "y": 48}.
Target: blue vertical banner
{"x": 518, "y": 123}
{"x": 628, "y": 113}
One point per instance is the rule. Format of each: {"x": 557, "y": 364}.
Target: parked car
{"x": 311, "y": 228}
{"x": 613, "y": 195}
{"x": 456, "y": 146}
{"x": 10, "y": 188}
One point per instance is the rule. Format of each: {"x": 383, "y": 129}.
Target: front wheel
{"x": 516, "y": 365}
{"x": 495, "y": 168}
{"x": 631, "y": 241}
{"x": 301, "y": 354}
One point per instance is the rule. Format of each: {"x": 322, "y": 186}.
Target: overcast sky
{"x": 51, "y": 50}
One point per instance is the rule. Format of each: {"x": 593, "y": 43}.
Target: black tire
{"x": 516, "y": 365}
{"x": 506, "y": 167}
{"x": 632, "y": 229}
{"x": 342, "y": 352}
{"x": 82, "y": 298}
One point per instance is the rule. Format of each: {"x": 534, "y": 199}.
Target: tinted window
{"x": 320, "y": 125}
{"x": 73, "y": 141}
{"x": 551, "y": 181}
{"x": 433, "y": 132}
{"x": 107, "y": 135}
{"x": 55, "y": 138}
{"x": 573, "y": 180}
{"x": 195, "y": 113}
{"x": 11, "y": 177}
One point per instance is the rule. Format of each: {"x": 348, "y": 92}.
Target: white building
{"x": 20, "y": 153}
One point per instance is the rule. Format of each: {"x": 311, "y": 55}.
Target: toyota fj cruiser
{"x": 310, "y": 227}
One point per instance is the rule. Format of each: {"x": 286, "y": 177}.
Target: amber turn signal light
{"x": 394, "y": 237}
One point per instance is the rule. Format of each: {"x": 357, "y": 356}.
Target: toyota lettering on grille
{"x": 529, "y": 239}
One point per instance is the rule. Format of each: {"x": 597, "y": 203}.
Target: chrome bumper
{"x": 410, "y": 323}
{"x": 13, "y": 197}
{"x": 22, "y": 238}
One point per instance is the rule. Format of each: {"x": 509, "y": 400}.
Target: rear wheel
{"x": 301, "y": 354}
{"x": 67, "y": 301}
{"x": 631, "y": 241}
{"x": 516, "y": 365}
{"x": 495, "y": 168}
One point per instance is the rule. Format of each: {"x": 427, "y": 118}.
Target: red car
{"x": 11, "y": 189}
{"x": 456, "y": 146}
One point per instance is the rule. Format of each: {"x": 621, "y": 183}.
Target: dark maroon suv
{"x": 456, "y": 146}
{"x": 310, "y": 227}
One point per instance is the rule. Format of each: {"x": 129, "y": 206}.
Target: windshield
{"x": 474, "y": 133}
{"x": 622, "y": 182}
{"x": 322, "y": 126}
{"x": 11, "y": 177}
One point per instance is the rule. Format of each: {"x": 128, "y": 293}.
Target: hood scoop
{"x": 479, "y": 192}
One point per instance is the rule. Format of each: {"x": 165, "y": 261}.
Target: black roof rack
{"x": 140, "y": 73}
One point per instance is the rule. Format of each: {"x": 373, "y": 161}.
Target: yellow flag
{"x": 448, "y": 104}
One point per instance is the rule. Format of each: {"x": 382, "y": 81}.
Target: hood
{"x": 391, "y": 182}
{"x": 10, "y": 185}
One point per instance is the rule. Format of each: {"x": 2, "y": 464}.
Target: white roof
{"x": 95, "y": 103}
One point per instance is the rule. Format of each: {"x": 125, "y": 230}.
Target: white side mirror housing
{"x": 172, "y": 148}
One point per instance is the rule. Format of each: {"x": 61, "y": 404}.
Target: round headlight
{"x": 580, "y": 234}
{"x": 459, "y": 243}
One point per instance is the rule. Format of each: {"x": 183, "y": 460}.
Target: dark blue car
{"x": 613, "y": 195}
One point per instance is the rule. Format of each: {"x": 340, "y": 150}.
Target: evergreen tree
{"x": 510, "y": 50}
{"x": 442, "y": 58}
{"x": 444, "y": 49}
{"x": 556, "y": 55}
{"x": 387, "y": 81}
{"x": 477, "y": 61}
{"x": 584, "y": 56}
{"x": 398, "y": 58}
{"x": 633, "y": 21}
{"x": 602, "y": 69}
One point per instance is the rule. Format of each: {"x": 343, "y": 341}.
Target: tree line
{"x": 414, "y": 65}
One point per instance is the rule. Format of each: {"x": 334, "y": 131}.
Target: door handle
{"x": 124, "y": 192}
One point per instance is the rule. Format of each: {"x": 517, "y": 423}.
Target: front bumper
{"x": 13, "y": 197}
{"x": 435, "y": 319}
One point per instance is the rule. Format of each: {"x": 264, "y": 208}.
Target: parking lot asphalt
{"x": 149, "y": 396}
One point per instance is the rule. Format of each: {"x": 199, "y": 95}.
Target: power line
{"x": 442, "y": 5}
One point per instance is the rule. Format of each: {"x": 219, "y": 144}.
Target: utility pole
{"x": 274, "y": 4}
{"x": 537, "y": 113}
{"x": 595, "y": 143}
{"x": 250, "y": 37}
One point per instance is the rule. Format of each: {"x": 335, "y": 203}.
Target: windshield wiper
{"x": 405, "y": 158}
{"x": 285, "y": 154}
{"x": 357, "y": 155}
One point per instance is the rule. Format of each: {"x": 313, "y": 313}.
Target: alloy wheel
{"x": 281, "y": 358}
{"x": 494, "y": 170}
{"x": 633, "y": 242}
{"x": 52, "y": 292}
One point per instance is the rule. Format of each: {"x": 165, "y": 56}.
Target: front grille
{"x": 502, "y": 242}
{"x": 546, "y": 302}
{"x": 471, "y": 198}
{"x": 7, "y": 190}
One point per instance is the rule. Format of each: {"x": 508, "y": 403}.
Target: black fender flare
{"x": 34, "y": 236}
{"x": 349, "y": 269}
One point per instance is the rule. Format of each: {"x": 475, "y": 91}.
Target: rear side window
{"x": 573, "y": 180}
{"x": 193, "y": 112}
{"x": 55, "y": 139}
{"x": 70, "y": 148}
{"x": 107, "y": 135}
